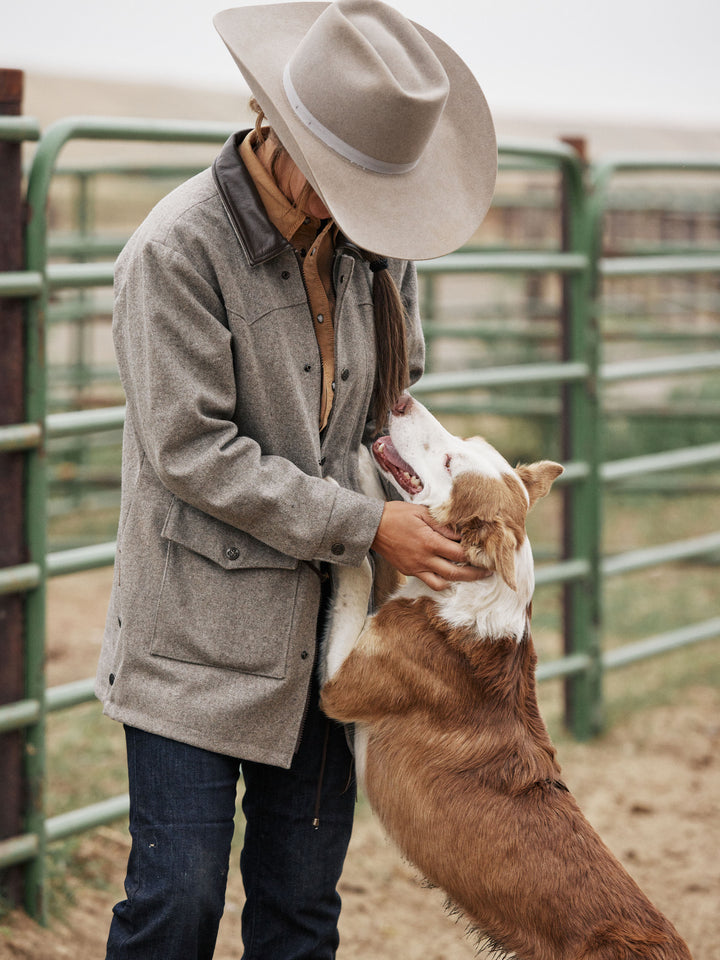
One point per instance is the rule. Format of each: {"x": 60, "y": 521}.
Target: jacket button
{"x": 307, "y": 368}
{"x": 285, "y": 274}
{"x": 304, "y": 655}
{"x": 345, "y": 374}
{"x": 337, "y": 549}
{"x": 111, "y": 679}
{"x": 322, "y": 461}
{"x": 232, "y": 553}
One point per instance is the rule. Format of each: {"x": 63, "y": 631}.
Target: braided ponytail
{"x": 392, "y": 376}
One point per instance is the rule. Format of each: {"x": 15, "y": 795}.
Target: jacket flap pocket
{"x": 220, "y": 542}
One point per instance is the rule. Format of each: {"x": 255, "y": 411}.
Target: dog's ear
{"x": 538, "y": 477}
{"x": 491, "y": 544}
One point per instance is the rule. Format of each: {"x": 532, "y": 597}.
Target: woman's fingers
{"x": 412, "y": 542}
{"x": 433, "y": 580}
{"x": 450, "y": 533}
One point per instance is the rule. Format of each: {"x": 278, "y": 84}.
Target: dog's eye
{"x": 448, "y": 461}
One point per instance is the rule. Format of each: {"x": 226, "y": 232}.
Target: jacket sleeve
{"x": 175, "y": 357}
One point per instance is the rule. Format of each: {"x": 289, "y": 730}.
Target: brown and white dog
{"x": 450, "y": 745}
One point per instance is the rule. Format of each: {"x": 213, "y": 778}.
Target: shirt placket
{"x": 316, "y": 269}
{"x": 315, "y": 250}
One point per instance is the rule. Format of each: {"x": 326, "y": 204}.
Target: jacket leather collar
{"x": 259, "y": 238}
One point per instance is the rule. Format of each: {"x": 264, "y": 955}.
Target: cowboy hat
{"x": 387, "y": 123}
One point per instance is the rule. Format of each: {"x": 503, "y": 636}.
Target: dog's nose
{"x": 403, "y": 405}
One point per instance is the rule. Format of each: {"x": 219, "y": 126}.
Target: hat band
{"x": 334, "y": 142}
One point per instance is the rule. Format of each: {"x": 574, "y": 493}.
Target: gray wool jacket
{"x": 225, "y": 513}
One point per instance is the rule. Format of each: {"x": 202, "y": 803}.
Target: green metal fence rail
{"x": 579, "y": 375}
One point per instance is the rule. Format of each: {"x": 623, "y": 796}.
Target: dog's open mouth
{"x": 390, "y": 460}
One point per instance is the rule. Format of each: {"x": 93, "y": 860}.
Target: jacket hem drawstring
{"x": 321, "y": 777}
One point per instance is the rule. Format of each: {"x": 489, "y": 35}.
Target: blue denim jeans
{"x": 182, "y": 808}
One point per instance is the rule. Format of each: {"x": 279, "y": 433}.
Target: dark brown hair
{"x": 392, "y": 376}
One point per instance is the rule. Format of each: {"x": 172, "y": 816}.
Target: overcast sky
{"x": 644, "y": 60}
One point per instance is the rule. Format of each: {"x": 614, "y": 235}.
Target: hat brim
{"x": 423, "y": 213}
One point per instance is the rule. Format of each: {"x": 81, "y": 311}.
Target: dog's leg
{"x": 386, "y": 578}
{"x": 348, "y": 683}
{"x": 347, "y": 616}
{"x": 352, "y": 588}
{"x": 369, "y": 681}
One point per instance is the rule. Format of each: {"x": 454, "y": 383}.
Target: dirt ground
{"x": 651, "y": 786}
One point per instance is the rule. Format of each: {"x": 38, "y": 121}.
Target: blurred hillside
{"x": 49, "y": 98}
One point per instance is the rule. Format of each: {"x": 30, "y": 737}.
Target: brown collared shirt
{"x": 314, "y": 240}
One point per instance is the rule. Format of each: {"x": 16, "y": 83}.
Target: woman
{"x": 258, "y": 343}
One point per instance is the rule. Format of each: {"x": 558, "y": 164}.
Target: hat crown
{"x": 368, "y": 85}
{"x": 353, "y": 80}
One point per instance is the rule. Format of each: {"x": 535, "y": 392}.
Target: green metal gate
{"x": 579, "y": 375}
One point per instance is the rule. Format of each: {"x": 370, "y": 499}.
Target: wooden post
{"x": 12, "y": 534}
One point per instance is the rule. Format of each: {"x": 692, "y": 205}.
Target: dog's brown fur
{"x": 463, "y": 775}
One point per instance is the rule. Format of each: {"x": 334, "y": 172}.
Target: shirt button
{"x": 345, "y": 374}
{"x": 322, "y": 460}
{"x": 333, "y": 386}
{"x": 232, "y": 553}
{"x": 337, "y": 549}
{"x": 320, "y": 318}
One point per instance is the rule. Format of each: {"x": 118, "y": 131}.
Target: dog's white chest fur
{"x": 490, "y": 607}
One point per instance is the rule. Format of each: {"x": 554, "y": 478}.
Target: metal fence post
{"x": 580, "y": 440}
{"x": 35, "y": 515}
{"x": 12, "y": 541}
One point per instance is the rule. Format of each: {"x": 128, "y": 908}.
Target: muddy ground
{"x": 651, "y": 786}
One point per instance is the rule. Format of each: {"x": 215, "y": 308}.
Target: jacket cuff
{"x": 351, "y": 528}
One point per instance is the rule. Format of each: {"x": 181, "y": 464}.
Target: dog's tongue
{"x": 390, "y": 460}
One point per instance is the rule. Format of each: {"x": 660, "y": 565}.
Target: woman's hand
{"x": 417, "y": 546}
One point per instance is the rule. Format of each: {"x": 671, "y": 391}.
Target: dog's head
{"x": 466, "y": 484}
